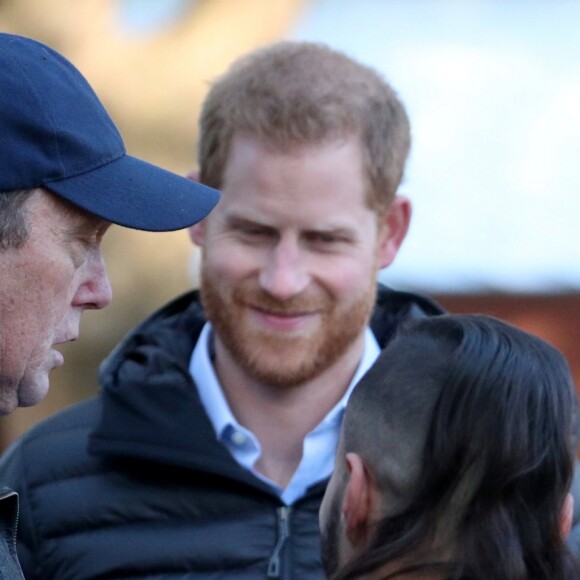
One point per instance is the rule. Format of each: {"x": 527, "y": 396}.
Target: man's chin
{"x": 7, "y": 404}
{"x": 33, "y": 389}
{"x": 22, "y": 392}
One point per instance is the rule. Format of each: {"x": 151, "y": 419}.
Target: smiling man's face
{"x": 290, "y": 257}
{"x": 45, "y": 285}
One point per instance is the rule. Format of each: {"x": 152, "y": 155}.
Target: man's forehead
{"x": 284, "y": 145}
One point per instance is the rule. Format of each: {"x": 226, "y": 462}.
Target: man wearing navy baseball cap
{"x": 65, "y": 177}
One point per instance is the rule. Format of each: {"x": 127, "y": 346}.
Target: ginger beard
{"x": 277, "y": 358}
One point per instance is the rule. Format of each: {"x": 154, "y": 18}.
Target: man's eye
{"x": 255, "y": 232}
{"x": 321, "y": 238}
{"x": 89, "y": 241}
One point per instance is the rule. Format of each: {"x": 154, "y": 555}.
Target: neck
{"x": 281, "y": 417}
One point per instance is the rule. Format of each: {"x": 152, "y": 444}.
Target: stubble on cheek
{"x": 8, "y": 394}
{"x": 10, "y": 373}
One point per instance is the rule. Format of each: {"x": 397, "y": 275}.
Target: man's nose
{"x": 95, "y": 290}
{"x": 284, "y": 274}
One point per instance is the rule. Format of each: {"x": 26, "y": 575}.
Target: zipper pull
{"x": 275, "y": 564}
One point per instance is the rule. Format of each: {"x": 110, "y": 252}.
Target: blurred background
{"x": 493, "y": 91}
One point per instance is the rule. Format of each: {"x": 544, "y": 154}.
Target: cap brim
{"x": 136, "y": 194}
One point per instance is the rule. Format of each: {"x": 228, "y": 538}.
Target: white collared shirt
{"x": 319, "y": 445}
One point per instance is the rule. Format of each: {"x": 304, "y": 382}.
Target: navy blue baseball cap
{"x": 56, "y": 134}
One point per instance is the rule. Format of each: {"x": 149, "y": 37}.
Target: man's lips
{"x": 64, "y": 340}
{"x": 58, "y": 358}
{"x": 282, "y": 320}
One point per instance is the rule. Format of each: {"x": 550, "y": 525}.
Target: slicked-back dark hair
{"x": 479, "y": 419}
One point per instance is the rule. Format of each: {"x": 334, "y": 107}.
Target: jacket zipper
{"x": 15, "y": 519}
{"x": 6, "y": 495}
{"x": 275, "y": 562}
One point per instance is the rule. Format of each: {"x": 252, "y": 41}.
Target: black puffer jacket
{"x": 133, "y": 484}
{"x": 9, "y": 568}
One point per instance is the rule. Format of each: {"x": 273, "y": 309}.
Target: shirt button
{"x": 238, "y": 438}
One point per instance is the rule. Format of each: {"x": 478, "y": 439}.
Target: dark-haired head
{"x": 456, "y": 458}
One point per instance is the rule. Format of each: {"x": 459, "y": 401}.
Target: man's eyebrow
{"x": 86, "y": 223}
{"x": 335, "y": 229}
{"x": 240, "y": 221}
{"x": 339, "y": 230}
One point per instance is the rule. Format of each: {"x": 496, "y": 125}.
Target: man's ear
{"x": 357, "y": 506}
{"x": 393, "y": 227}
{"x": 196, "y": 231}
{"x": 193, "y": 175}
{"x": 566, "y": 516}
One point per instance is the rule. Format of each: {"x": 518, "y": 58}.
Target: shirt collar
{"x": 210, "y": 391}
{"x": 214, "y": 400}
{"x": 319, "y": 445}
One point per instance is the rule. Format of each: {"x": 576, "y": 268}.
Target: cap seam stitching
{"x": 88, "y": 170}
{"x": 45, "y": 112}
